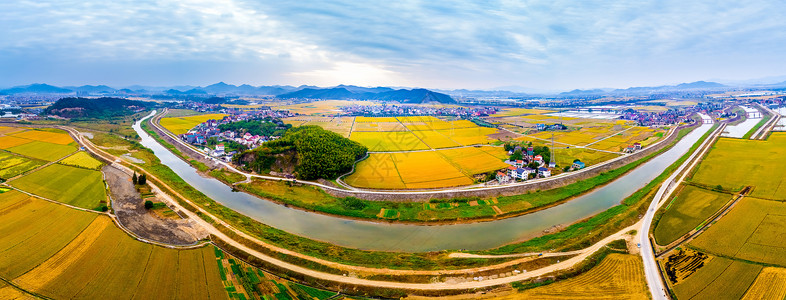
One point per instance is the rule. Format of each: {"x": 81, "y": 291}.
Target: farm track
{"x": 471, "y": 188}
{"x": 349, "y": 280}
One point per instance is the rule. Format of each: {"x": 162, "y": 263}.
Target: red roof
{"x": 520, "y": 161}
{"x": 511, "y": 168}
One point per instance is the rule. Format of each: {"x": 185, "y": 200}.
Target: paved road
{"x": 651, "y": 270}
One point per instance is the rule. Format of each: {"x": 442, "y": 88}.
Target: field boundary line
{"x": 590, "y": 144}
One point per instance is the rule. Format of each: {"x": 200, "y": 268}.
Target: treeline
{"x": 257, "y": 127}
{"x": 543, "y": 151}
{"x": 100, "y": 108}
{"x": 319, "y": 153}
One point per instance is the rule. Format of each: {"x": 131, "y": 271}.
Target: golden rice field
{"x": 427, "y": 169}
{"x": 735, "y": 163}
{"x": 181, "y": 125}
{"x": 316, "y": 108}
{"x": 43, "y": 150}
{"x": 720, "y": 278}
{"x": 470, "y": 136}
{"x": 769, "y": 285}
{"x": 10, "y": 141}
{"x": 389, "y": 141}
{"x": 60, "y": 138}
{"x": 12, "y": 165}
{"x": 63, "y": 253}
{"x": 83, "y": 160}
{"x": 618, "y": 276}
{"x": 753, "y": 230}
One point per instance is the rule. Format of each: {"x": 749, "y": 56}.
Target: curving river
{"x": 418, "y": 238}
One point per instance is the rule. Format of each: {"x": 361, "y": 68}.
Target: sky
{"x": 538, "y": 45}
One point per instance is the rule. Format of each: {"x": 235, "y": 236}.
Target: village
{"x": 413, "y": 110}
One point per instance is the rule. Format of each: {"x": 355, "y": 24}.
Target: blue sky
{"x": 546, "y": 45}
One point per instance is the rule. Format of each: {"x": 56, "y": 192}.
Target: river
{"x": 418, "y": 238}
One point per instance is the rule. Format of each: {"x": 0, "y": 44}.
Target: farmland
{"x": 428, "y": 169}
{"x": 64, "y": 253}
{"x": 83, "y": 160}
{"x": 719, "y": 279}
{"x": 12, "y": 165}
{"x": 180, "y": 125}
{"x": 761, "y": 162}
{"x": 43, "y": 150}
{"x": 618, "y": 276}
{"x": 770, "y": 284}
{"x": 687, "y": 211}
{"x": 75, "y": 186}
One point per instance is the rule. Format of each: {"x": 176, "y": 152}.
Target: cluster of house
{"x": 668, "y": 117}
{"x": 546, "y": 127}
{"x": 198, "y": 106}
{"x": 632, "y": 148}
{"x": 518, "y": 169}
{"x": 412, "y": 110}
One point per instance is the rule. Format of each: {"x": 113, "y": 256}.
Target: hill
{"x": 310, "y": 151}
{"x": 382, "y": 94}
{"x": 37, "y": 88}
{"x": 100, "y": 108}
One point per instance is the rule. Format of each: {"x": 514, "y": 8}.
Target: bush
{"x": 149, "y": 204}
{"x": 353, "y": 203}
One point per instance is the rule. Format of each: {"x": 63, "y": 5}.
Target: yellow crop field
{"x": 181, "y": 125}
{"x": 416, "y": 119}
{"x": 378, "y": 171}
{"x": 618, "y": 276}
{"x": 719, "y": 279}
{"x": 10, "y": 141}
{"x": 387, "y": 126}
{"x": 46, "y": 136}
{"x": 326, "y": 107}
{"x": 753, "y": 230}
{"x": 11, "y": 130}
{"x": 419, "y": 168}
{"x": 435, "y": 140}
{"x": 564, "y": 157}
{"x": 82, "y": 159}
{"x": 439, "y": 124}
{"x": 470, "y": 136}
{"x": 771, "y": 284}
{"x": 753, "y": 162}
{"x": 10, "y": 293}
{"x": 361, "y": 119}
{"x": 442, "y": 183}
{"x": 389, "y": 141}
{"x": 520, "y": 111}
{"x": 474, "y": 160}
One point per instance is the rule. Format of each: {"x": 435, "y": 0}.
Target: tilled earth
{"x": 130, "y": 210}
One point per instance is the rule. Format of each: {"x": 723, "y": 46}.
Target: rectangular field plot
{"x": 12, "y": 165}
{"x": 107, "y": 263}
{"x": 32, "y": 230}
{"x": 12, "y": 141}
{"x": 618, "y": 276}
{"x": 565, "y": 157}
{"x": 387, "y": 126}
{"x": 735, "y": 163}
{"x": 43, "y": 150}
{"x": 753, "y": 230}
{"x": 75, "y": 186}
{"x": 83, "y": 160}
{"x": 61, "y": 137}
{"x": 11, "y": 130}
{"x": 180, "y": 125}
{"x": 720, "y": 279}
{"x": 691, "y": 207}
{"x": 771, "y": 284}
{"x": 361, "y": 119}
{"x": 419, "y": 169}
{"x": 341, "y": 126}
{"x": 378, "y": 171}
{"x": 470, "y": 136}
{"x": 389, "y": 141}
{"x": 435, "y": 140}
{"x": 473, "y": 160}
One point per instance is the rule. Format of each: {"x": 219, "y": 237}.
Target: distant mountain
{"x": 699, "y": 85}
{"x": 583, "y": 92}
{"x": 36, "y": 88}
{"x": 343, "y": 93}
{"x": 358, "y": 89}
{"x": 94, "y": 89}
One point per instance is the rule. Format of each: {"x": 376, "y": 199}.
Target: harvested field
{"x": 43, "y": 150}
{"x": 753, "y": 230}
{"x": 75, "y": 186}
{"x": 180, "y": 125}
{"x": 723, "y": 280}
{"x": 755, "y": 163}
{"x": 687, "y": 211}
{"x": 11, "y": 130}
{"x": 60, "y": 137}
{"x": 771, "y": 284}
{"x": 83, "y": 160}
{"x": 618, "y": 276}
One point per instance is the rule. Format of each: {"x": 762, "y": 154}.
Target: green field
{"x": 83, "y": 160}
{"x": 75, "y": 186}
{"x": 13, "y": 165}
{"x": 753, "y": 230}
{"x": 687, "y": 211}
{"x": 43, "y": 150}
{"x": 735, "y": 163}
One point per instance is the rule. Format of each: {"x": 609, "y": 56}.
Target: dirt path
{"x": 130, "y": 211}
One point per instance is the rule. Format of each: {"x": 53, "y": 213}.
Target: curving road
{"x": 651, "y": 269}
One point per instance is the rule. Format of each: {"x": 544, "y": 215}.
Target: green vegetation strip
{"x": 758, "y": 125}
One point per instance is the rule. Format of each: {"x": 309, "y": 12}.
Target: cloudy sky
{"x": 547, "y": 45}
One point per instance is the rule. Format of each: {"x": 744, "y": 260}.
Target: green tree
{"x": 134, "y": 179}
{"x": 148, "y": 204}
{"x": 142, "y": 179}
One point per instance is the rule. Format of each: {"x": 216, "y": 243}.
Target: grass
{"x": 735, "y": 163}
{"x": 691, "y": 207}
{"x": 618, "y": 276}
{"x": 83, "y": 160}
{"x": 43, "y": 150}
{"x": 180, "y": 125}
{"x": 753, "y": 230}
{"x": 75, "y": 186}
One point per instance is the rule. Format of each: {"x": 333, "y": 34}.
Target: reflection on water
{"x": 417, "y": 238}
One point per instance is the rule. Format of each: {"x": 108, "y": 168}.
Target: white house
{"x": 544, "y": 172}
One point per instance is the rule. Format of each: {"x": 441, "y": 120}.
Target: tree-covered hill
{"x": 317, "y": 153}
{"x": 100, "y": 108}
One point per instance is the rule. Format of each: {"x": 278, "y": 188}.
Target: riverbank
{"x": 461, "y": 210}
